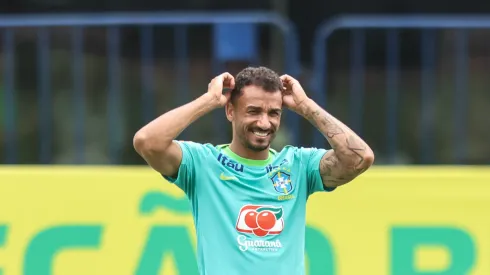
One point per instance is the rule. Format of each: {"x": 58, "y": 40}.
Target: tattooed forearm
{"x": 339, "y": 136}
{"x": 332, "y": 128}
{"x": 351, "y": 156}
{"x": 357, "y": 147}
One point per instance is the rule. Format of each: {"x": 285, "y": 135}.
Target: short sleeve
{"x": 313, "y": 156}
{"x": 191, "y": 155}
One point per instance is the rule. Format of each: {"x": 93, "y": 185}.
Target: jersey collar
{"x": 248, "y": 162}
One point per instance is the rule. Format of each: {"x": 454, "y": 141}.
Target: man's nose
{"x": 264, "y": 122}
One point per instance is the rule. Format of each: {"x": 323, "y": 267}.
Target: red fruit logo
{"x": 260, "y": 220}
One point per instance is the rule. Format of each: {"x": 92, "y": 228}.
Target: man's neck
{"x": 243, "y": 152}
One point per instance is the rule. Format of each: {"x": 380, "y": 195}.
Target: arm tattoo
{"x": 329, "y": 170}
{"x": 332, "y": 129}
{"x": 357, "y": 148}
{"x": 347, "y": 161}
{"x": 327, "y": 164}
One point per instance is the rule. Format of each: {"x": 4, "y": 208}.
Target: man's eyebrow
{"x": 253, "y": 107}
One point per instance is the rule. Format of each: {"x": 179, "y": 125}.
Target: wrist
{"x": 306, "y": 107}
{"x": 208, "y": 102}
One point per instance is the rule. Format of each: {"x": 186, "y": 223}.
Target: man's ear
{"x": 229, "y": 109}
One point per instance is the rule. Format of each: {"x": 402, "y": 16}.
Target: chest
{"x": 253, "y": 201}
{"x": 280, "y": 181}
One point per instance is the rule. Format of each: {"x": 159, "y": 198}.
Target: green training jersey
{"x": 249, "y": 215}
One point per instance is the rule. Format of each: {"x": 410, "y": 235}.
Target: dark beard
{"x": 256, "y": 148}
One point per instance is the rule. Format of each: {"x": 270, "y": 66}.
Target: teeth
{"x": 261, "y": 134}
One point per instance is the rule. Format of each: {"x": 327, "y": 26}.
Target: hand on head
{"x": 220, "y": 83}
{"x": 293, "y": 93}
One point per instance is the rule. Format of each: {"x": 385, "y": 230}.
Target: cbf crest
{"x": 282, "y": 182}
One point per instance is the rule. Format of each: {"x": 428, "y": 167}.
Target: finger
{"x": 227, "y": 96}
{"x": 218, "y": 80}
{"x": 286, "y": 78}
{"x": 228, "y": 80}
{"x": 287, "y": 81}
{"x": 291, "y": 81}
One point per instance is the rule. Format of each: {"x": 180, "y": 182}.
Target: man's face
{"x": 256, "y": 116}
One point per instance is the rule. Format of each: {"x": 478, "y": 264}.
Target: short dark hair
{"x": 262, "y": 77}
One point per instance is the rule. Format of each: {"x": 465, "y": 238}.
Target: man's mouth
{"x": 261, "y": 133}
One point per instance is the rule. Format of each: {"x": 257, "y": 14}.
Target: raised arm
{"x": 350, "y": 157}
{"x": 154, "y": 142}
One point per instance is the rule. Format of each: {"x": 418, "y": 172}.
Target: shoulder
{"x": 196, "y": 148}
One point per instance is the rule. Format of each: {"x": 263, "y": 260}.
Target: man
{"x": 249, "y": 201}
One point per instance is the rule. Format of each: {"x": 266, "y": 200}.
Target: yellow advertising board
{"x": 128, "y": 220}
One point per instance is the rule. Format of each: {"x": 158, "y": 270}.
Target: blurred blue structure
{"x": 78, "y": 21}
{"x": 391, "y": 24}
{"x": 226, "y": 23}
